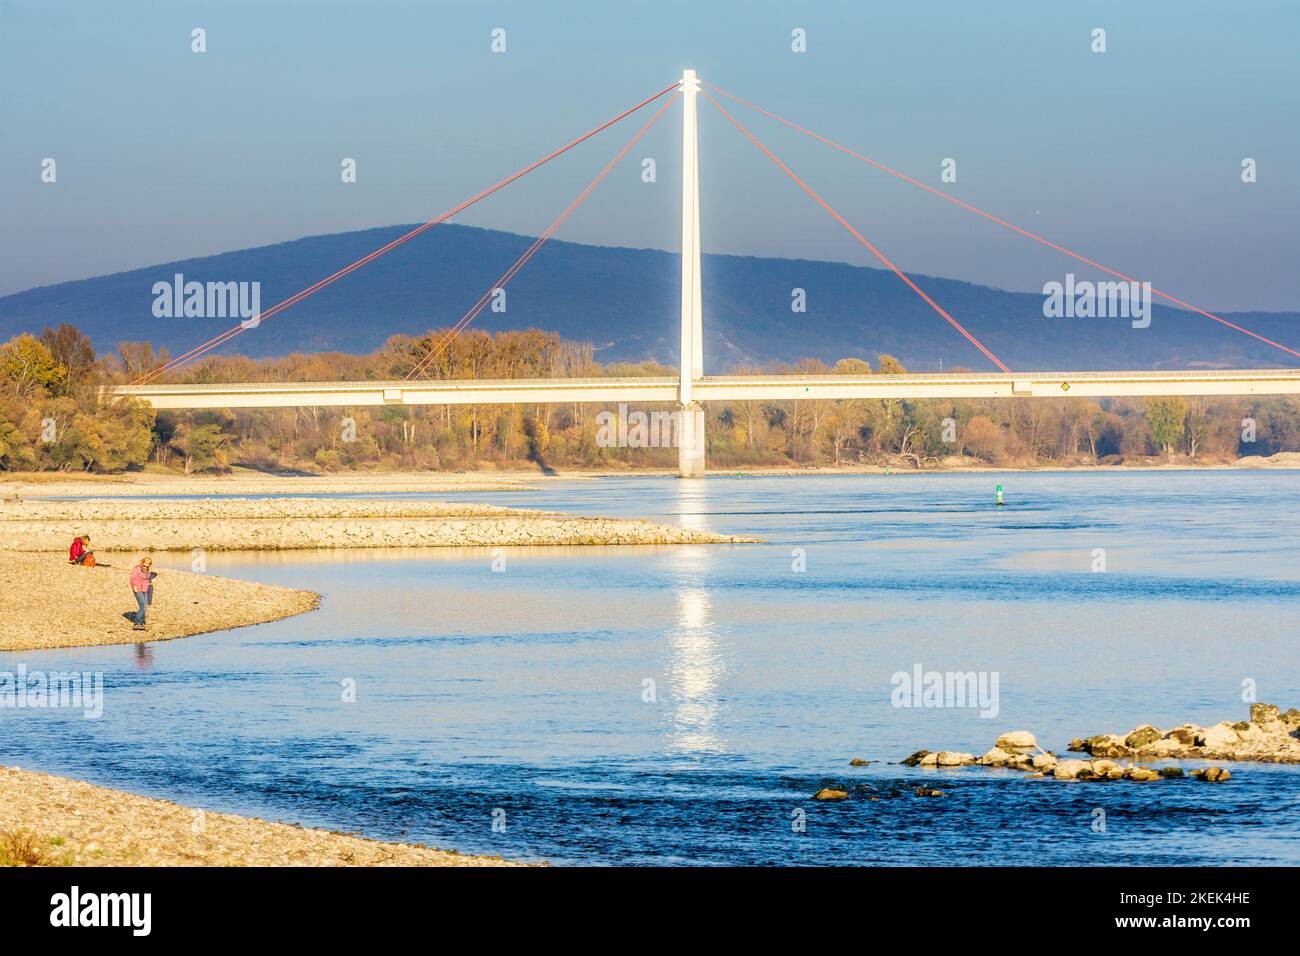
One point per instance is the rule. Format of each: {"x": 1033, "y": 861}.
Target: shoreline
{"x": 47, "y": 820}
{"x": 242, "y": 481}
{"x": 250, "y": 524}
{"x": 93, "y": 603}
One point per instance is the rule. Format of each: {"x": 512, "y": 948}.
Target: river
{"x": 682, "y": 704}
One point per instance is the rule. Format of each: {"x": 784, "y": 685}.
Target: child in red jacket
{"x": 80, "y": 550}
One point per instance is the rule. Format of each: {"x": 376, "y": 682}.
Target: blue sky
{"x": 1132, "y": 156}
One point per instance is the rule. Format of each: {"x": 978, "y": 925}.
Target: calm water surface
{"x": 681, "y": 705}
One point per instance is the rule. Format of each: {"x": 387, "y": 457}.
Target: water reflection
{"x": 692, "y": 503}
{"x": 695, "y": 666}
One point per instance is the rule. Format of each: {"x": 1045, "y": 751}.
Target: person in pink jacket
{"x": 80, "y": 548}
{"x": 142, "y": 577}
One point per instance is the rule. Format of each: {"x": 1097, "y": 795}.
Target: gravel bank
{"x": 54, "y": 821}
{"x": 57, "y": 604}
{"x": 296, "y": 523}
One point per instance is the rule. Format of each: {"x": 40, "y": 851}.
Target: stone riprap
{"x": 1269, "y": 736}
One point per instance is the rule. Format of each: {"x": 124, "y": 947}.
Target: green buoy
{"x": 1001, "y": 503}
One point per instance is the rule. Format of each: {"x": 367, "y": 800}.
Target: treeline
{"x": 51, "y": 417}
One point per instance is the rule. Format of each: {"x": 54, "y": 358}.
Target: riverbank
{"x": 57, "y": 604}
{"x": 244, "y": 481}
{"x": 54, "y": 821}
{"x": 954, "y": 465}
{"x": 123, "y": 525}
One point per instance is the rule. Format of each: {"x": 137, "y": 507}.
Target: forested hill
{"x": 625, "y": 301}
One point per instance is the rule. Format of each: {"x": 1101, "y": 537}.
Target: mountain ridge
{"x": 624, "y": 300}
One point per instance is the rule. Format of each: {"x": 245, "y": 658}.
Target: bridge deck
{"x": 717, "y": 388}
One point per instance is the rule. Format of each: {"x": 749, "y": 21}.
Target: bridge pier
{"x": 690, "y": 442}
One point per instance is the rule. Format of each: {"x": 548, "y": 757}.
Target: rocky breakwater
{"x": 1269, "y": 736}
{"x": 1019, "y": 750}
{"x": 298, "y": 523}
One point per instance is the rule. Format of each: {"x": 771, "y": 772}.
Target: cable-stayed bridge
{"x": 690, "y": 387}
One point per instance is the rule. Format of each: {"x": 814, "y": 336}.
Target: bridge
{"x": 690, "y": 388}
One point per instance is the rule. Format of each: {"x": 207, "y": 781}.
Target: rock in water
{"x": 1141, "y": 736}
{"x": 997, "y": 757}
{"x": 916, "y": 758}
{"x": 1106, "y": 745}
{"x": 830, "y": 793}
{"x": 1016, "y": 740}
{"x": 948, "y": 758}
{"x": 1212, "y": 775}
{"x": 1165, "y": 747}
{"x": 1265, "y": 713}
{"x": 1221, "y": 737}
{"x": 927, "y": 792}
{"x": 1070, "y": 769}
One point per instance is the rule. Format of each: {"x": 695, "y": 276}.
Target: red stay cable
{"x": 857, "y": 235}
{"x": 510, "y": 273}
{"x": 346, "y": 270}
{"x": 1001, "y": 222}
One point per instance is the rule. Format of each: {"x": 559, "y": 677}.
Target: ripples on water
{"x": 526, "y": 691}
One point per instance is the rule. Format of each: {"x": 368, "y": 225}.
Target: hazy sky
{"x": 1132, "y": 156}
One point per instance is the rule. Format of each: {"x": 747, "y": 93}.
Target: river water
{"x": 682, "y": 705}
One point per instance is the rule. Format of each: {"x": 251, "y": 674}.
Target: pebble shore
{"x": 53, "y": 821}
{"x": 58, "y": 604}
{"x": 298, "y": 523}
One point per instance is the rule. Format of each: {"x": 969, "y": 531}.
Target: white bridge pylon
{"x": 690, "y": 451}
{"x": 691, "y": 388}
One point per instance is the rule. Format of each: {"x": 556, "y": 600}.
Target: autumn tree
{"x": 203, "y": 446}
{"x": 70, "y": 349}
{"x": 28, "y": 367}
{"x": 1166, "y": 421}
